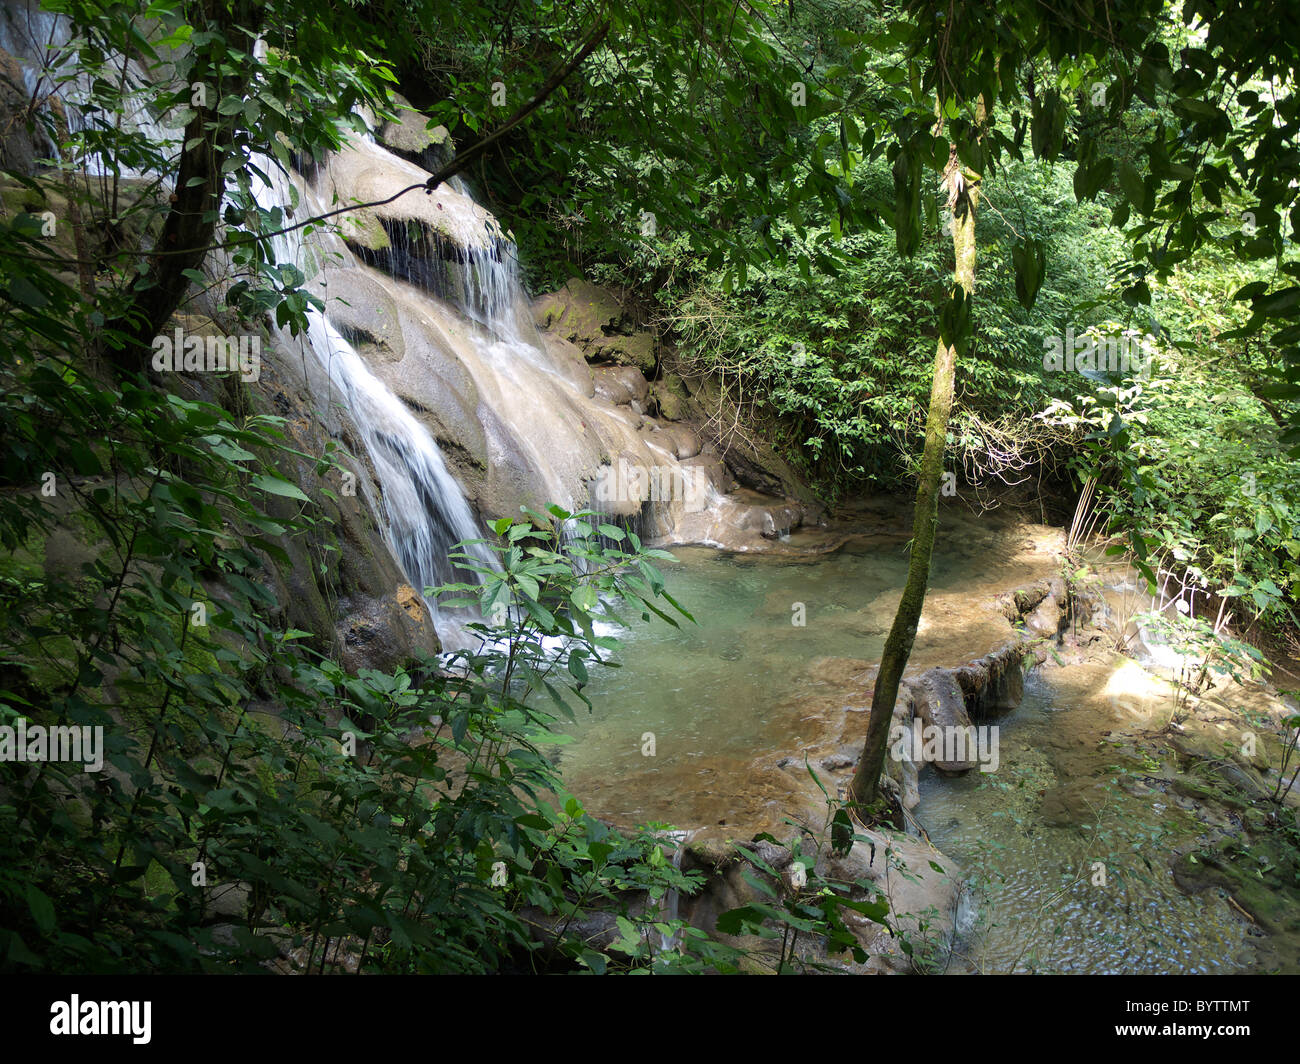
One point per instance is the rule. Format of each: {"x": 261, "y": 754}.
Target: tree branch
{"x": 464, "y": 158}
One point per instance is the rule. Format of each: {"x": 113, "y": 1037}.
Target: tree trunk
{"x": 963, "y": 198}
{"x": 191, "y": 224}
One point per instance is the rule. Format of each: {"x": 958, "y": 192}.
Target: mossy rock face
{"x": 1203, "y": 791}
{"x": 1214, "y": 767}
{"x": 592, "y": 318}
{"x": 364, "y": 229}
{"x": 47, "y": 204}
{"x": 711, "y": 853}
{"x": 48, "y": 208}
{"x": 671, "y": 395}
{"x": 581, "y": 312}
{"x": 1261, "y": 877}
{"x": 411, "y": 133}
{"x": 637, "y": 349}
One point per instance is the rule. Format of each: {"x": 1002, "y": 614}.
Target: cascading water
{"x": 426, "y": 511}
{"x": 672, "y": 899}
{"x": 466, "y": 364}
{"x": 41, "y": 37}
{"x": 450, "y": 277}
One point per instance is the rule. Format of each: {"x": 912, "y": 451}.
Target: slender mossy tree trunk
{"x": 963, "y": 199}
{"x": 190, "y": 226}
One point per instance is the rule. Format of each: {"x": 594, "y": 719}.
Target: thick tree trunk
{"x": 963, "y": 197}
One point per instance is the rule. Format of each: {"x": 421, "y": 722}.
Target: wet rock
{"x": 365, "y": 173}
{"x": 1025, "y": 600}
{"x": 620, "y": 385}
{"x": 371, "y": 616}
{"x": 1047, "y": 620}
{"x": 923, "y": 901}
{"x": 1217, "y": 764}
{"x": 228, "y": 900}
{"x": 1260, "y": 877}
{"x": 994, "y": 684}
{"x": 684, "y": 441}
{"x": 376, "y": 633}
{"x": 770, "y": 519}
{"x": 571, "y": 363}
{"x": 1072, "y": 803}
{"x": 672, "y": 398}
{"x": 940, "y": 704}
{"x": 750, "y": 455}
{"x": 20, "y": 146}
{"x": 411, "y": 134}
{"x": 360, "y": 308}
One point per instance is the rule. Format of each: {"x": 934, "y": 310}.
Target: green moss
{"x": 158, "y": 884}
{"x": 1260, "y": 876}
{"x": 635, "y": 350}
{"x": 1204, "y": 790}
{"x": 670, "y": 394}
{"x": 362, "y": 227}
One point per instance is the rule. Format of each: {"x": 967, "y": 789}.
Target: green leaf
{"x": 21, "y": 290}
{"x": 1029, "y": 258}
{"x": 737, "y": 921}
{"x": 279, "y": 486}
{"x": 1131, "y": 182}
{"x": 42, "y": 908}
{"x": 577, "y": 668}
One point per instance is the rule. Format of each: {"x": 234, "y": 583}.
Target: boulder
{"x": 620, "y": 385}
{"x": 581, "y": 312}
{"x": 364, "y": 173}
{"x": 592, "y": 318}
{"x": 940, "y": 704}
{"x": 412, "y": 134}
{"x": 671, "y": 398}
{"x": 636, "y": 349}
{"x": 1047, "y": 620}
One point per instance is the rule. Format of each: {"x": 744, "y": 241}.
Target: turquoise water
{"x": 714, "y": 696}
{"x": 718, "y": 693}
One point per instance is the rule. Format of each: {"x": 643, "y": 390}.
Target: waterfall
{"x": 435, "y": 275}
{"x": 671, "y": 901}
{"x": 426, "y": 511}
{"x": 39, "y": 40}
